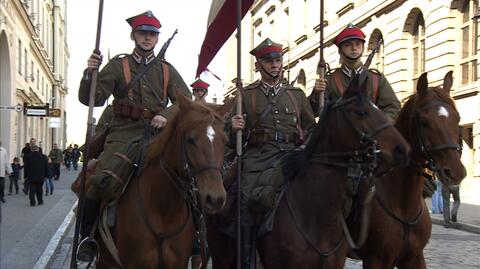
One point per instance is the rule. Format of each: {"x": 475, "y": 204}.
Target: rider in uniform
{"x": 142, "y": 86}
{"x": 200, "y": 90}
{"x": 351, "y": 45}
{"x": 278, "y": 118}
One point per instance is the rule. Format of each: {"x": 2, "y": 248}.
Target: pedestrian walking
{"x": 36, "y": 170}
{"x": 437, "y": 199}
{"x": 5, "y": 170}
{"x": 49, "y": 179}
{"x": 450, "y": 216}
{"x": 25, "y": 151}
{"x": 57, "y": 160}
{"x": 75, "y": 156}
{"x": 16, "y": 167}
{"x": 67, "y": 157}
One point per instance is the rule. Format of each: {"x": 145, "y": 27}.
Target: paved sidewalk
{"x": 468, "y": 217}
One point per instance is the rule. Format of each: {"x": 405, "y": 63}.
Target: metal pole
{"x": 321, "y": 64}
{"x": 91, "y": 102}
{"x": 239, "y": 132}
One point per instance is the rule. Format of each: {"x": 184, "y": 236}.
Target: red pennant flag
{"x": 222, "y": 21}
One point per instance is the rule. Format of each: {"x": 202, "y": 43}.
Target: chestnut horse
{"x": 400, "y": 225}
{"x": 307, "y": 232}
{"x": 154, "y": 223}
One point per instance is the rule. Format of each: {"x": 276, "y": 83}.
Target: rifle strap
{"x": 166, "y": 76}
{"x": 337, "y": 77}
{"x": 126, "y": 70}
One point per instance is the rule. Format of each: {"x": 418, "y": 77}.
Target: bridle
{"x": 427, "y": 151}
{"x": 361, "y": 163}
{"x": 186, "y": 185}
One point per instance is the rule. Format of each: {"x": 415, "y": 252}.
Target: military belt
{"x": 259, "y": 137}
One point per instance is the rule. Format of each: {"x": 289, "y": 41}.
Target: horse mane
{"x": 200, "y": 115}
{"x": 295, "y": 162}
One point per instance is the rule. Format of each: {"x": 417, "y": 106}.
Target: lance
{"x": 89, "y": 135}
{"x": 239, "y": 132}
{"x": 321, "y": 64}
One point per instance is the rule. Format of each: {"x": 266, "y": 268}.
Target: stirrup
{"x": 88, "y": 250}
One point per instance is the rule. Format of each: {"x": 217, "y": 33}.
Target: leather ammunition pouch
{"x": 127, "y": 109}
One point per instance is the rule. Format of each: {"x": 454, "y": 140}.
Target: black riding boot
{"x": 88, "y": 248}
{"x": 248, "y": 246}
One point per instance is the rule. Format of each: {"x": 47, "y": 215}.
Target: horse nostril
{"x": 215, "y": 203}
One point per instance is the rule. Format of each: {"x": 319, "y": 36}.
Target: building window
{"x": 418, "y": 48}
{"x": 38, "y": 79}
{"x": 32, "y": 78}
{"x": 470, "y": 45}
{"x": 25, "y": 74}
{"x": 20, "y": 62}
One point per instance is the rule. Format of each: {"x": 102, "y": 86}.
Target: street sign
{"x": 54, "y": 122}
{"x": 17, "y": 108}
{"x": 37, "y": 111}
{"x": 54, "y": 112}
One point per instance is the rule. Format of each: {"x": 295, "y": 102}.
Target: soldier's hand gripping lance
{"x": 163, "y": 50}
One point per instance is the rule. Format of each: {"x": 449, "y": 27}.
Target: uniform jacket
{"x": 386, "y": 99}
{"x": 146, "y": 92}
{"x": 282, "y": 118}
{"x": 5, "y": 167}
{"x": 36, "y": 167}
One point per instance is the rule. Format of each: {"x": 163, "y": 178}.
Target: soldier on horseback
{"x": 278, "y": 118}
{"x": 142, "y": 86}
{"x": 200, "y": 90}
{"x": 351, "y": 45}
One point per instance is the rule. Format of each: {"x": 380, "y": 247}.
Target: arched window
{"x": 469, "y": 42}
{"x": 418, "y": 47}
{"x": 378, "y": 60}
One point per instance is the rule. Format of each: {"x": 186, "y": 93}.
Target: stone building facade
{"x": 33, "y": 72}
{"x": 418, "y": 36}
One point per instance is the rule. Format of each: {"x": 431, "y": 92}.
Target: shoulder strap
{"x": 254, "y": 105}
{"x": 375, "y": 86}
{"x": 298, "y": 113}
{"x": 338, "y": 82}
{"x": 126, "y": 70}
{"x": 166, "y": 76}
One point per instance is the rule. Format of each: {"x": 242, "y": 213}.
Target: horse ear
{"x": 183, "y": 102}
{"x": 422, "y": 85}
{"x": 225, "y": 109}
{"x": 448, "y": 82}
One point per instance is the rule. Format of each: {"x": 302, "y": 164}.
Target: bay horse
{"x": 154, "y": 222}
{"x": 400, "y": 225}
{"x": 307, "y": 231}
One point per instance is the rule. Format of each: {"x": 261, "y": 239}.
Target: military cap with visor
{"x": 267, "y": 50}
{"x": 145, "y": 21}
{"x": 349, "y": 33}
{"x": 200, "y": 84}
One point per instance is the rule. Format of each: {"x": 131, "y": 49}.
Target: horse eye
{"x": 191, "y": 141}
{"x": 362, "y": 113}
{"x": 425, "y": 124}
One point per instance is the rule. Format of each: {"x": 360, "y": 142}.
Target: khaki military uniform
{"x": 269, "y": 138}
{"x": 384, "y": 97}
{"x": 147, "y": 92}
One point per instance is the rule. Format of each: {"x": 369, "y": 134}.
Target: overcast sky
{"x": 188, "y": 16}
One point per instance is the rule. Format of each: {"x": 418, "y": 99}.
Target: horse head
{"x": 435, "y": 131}
{"x": 192, "y": 144}
{"x": 363, "y": 125}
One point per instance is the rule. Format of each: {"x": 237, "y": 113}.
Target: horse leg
{"x": 376, "y": 263}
